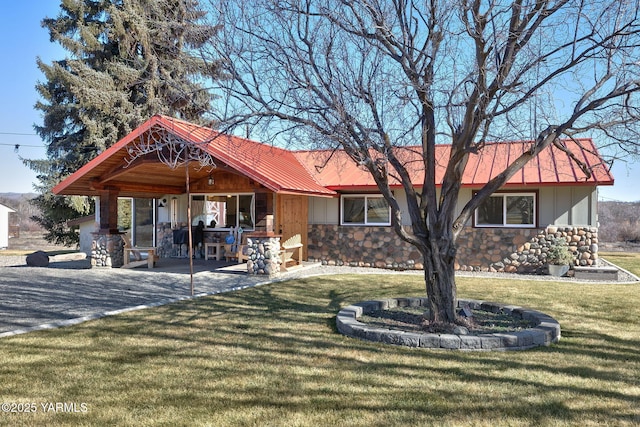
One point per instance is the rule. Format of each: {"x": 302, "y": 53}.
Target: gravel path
{"x": 67, "y": 293}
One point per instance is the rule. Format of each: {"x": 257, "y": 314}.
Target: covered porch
{"x": 245, "y": 189}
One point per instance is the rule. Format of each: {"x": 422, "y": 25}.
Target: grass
{"x": 270, "y": 356}
{"x": 630, "y": 261}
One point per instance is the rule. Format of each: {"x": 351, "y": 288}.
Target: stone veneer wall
{"x": 516, "y": 250}
{"x": 360, "y": 247}
{"x": 479, "y": 249}
{"x": 166, "y": 248}
{"x": 263, "y": 253}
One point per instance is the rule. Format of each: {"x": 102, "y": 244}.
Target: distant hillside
{"x": 20, "y": 202}
{"x": 16, "y": 196}
{"x": 619, "y": 222}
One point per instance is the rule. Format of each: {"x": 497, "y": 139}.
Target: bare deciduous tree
{"x": 374, "y": 76}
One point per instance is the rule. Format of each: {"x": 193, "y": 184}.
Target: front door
{"x": 292, "y": 217}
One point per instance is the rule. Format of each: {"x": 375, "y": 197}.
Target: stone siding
{"x": 263, "y": 255}
{"x": 514, "y": 250}
{"x": 360, "y": 247}
{"x": 107, "y": 250}
{"x": 479, "y": 249}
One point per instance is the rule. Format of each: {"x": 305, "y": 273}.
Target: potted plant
{"x": 559, "y": 257}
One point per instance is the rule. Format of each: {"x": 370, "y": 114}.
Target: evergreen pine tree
{"x": 128, "y": 60}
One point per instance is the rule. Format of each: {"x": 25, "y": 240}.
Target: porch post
{"x": 109, "y": 211}
{"x": 107, "y": 249}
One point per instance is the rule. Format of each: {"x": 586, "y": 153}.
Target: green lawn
{"x": 271, "y": 356}
{"x": 628, "y": 260}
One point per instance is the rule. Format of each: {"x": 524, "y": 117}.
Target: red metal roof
{"x": 273, "y": 167}
{"x": 320, "y": 172}
{"x": 553, "y": 166}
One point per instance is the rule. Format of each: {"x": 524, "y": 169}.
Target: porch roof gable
{"x": 274, "y": 168}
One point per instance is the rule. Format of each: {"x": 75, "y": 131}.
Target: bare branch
{"x": 170, "y": 149}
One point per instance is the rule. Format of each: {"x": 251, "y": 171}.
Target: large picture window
{"x": 223, "y": 210}
{"x": 364, "y": 210}
{"x": 507, "y": 210}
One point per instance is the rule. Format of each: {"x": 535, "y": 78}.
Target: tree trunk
{"x": 439, "y": 274}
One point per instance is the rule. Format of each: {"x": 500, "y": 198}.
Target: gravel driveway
{"x": 69, "y": 292}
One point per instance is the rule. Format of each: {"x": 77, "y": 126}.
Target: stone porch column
{"x": 107, "y": 249}
{"x": 264, "y": 254}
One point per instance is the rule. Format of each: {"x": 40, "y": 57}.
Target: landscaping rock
{"x": 38, "y": 259}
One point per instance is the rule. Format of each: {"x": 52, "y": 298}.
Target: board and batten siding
{"x": 562, "y": 205}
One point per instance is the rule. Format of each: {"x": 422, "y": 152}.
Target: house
{"x": 4, "y": 226}
{"x": 273, "y": 194}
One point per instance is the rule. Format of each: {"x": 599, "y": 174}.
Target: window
{"x": 365, "y": 210}
{"x": 223, "y": 211}
{"x": 507, "y": 210}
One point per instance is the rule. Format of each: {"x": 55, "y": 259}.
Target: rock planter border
{"x": 545, "y": 332}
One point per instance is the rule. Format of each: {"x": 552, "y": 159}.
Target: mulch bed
{"x": 415, "y": 320}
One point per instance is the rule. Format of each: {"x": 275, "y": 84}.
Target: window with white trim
{"x": 507, "y": 210}
{"x": 364, "y": 209}
{"x": 224, "y": 210}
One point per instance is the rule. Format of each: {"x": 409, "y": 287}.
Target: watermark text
{"x": 52, "y": 407}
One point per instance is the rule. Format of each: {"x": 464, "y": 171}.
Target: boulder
{"x": 38, "y": 259}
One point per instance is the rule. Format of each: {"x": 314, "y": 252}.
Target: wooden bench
{"x": 152, "y": 255}
{"x": 135, "y": 251}
{"x": 292, "y": 246}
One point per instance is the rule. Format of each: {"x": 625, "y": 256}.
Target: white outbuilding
{"x": 4, "y": 225}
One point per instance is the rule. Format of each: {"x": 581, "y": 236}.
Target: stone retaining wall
{"x": 479, "y": 249}
{"x": 522, "y": 250}
{"x": 545, "y": 332}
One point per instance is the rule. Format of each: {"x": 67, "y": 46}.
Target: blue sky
{"x": 22, "y": 40}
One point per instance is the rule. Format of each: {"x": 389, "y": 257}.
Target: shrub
{"x": 559, "y": 253}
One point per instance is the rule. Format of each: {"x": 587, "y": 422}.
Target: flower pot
{"x": 558, "y": 270}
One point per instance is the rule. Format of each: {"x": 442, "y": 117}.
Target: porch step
{"x": 596, "y": 273}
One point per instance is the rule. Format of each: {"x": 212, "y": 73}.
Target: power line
{"x": 18, "y": 133}
{"x": 16, "y": 147}
{"x": 22, "y": 145}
